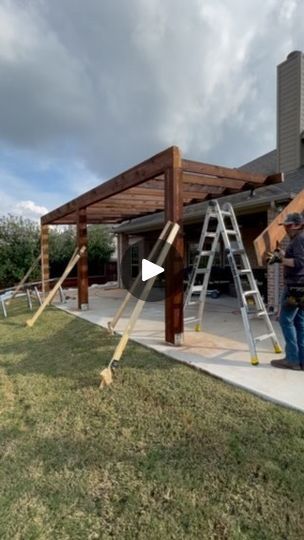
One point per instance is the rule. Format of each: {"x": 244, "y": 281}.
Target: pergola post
{"x": 82, "y": 240}
{"x": 45, "y": 265}
{"x": 174, "y": 320}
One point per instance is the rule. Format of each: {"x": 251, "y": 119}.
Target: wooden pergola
{"x": 165, "y": 182}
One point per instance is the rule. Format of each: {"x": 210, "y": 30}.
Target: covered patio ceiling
{"x": 143, "y": 189}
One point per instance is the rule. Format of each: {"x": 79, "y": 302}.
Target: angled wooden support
{"x": 24, "y": 279}
{"x": 106, "y": 374}
{"x": 74, "y": 259}
{"x": 153, "y": 252}
{"x": 274, "y": 233}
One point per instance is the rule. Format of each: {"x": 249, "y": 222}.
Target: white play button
{"x": 149, "y": 270}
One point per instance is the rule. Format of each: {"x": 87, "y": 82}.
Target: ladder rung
{"x": 264, "y": 336}
{"x": 240, "y": 251}
{"x": 244, "y": 271}
{"x": 249, "y": 293}
{"x": 256, "y": 314}
{"x": 233, "y": 247}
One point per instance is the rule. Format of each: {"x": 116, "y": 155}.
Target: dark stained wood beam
{"x": 115, "y": 213}
{"x": 203, "y": 180}
{"x": 132, "y": 177}
{"x": 174, "y": 319}
{"x": 224, "y": 172}
{"x": 135, "y": 207}
{"x": 141, "y": 189}
{"x": 202, "y": 190}
{"x": 126, "y": 199}
{"x": 122, "y": 208}
{"x": 147, "y": 192}
{"x": 94, "y": 221}
{"x": 45, "y": 265}
{"x": 82, "y": 267}
{"x": 139, "y": 200}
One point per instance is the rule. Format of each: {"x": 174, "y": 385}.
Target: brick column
{"x": 275, "y": 272}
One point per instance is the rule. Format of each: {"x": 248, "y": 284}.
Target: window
{"x": 134, "y": 261}
{"x": 193, "y": 247}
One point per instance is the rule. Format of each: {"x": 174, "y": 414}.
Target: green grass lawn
{"x": 165, "y": 452}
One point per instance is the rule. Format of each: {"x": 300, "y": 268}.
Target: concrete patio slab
{"x": 221, "y": 349}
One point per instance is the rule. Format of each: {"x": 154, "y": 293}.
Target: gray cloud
{"x": 112, "y": 82}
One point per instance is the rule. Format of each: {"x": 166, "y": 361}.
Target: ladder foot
{"x": 110, "y": 329}
{"x": 197, "y": 328}
{"x": 254, "y": 361}
{"x": 115, "y": 364}
{"x": 106, "y": 377}
{"x": 277, "y": 348}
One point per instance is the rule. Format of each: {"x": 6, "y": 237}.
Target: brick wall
{"x": 275, "y": 279}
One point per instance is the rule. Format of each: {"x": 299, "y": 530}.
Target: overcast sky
{"x": 90, "y": 88}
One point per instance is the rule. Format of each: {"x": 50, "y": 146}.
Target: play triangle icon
{"x": 150, "y": 270}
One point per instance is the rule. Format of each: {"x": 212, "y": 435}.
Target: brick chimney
{"x": 290, "y": 112}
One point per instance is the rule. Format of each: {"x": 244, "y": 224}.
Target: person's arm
{"x": 298, "y": 251}
{"x": 288, "y": 262}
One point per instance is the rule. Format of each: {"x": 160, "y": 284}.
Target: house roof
{"x": 243, "y": 202}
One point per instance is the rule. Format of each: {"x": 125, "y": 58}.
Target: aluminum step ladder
{"x": 222, "y": 223}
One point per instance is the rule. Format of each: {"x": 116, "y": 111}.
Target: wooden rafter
{"x": 203, "y": 180}
{"x": 226, "y": 173}
{"x": 141, "y": 189}
{"x": 136, "y": 175}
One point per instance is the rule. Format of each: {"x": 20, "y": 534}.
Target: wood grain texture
{"x": 132, "y": 177}
{"x": 274, "y": 233}
{"x": 45, "y": 265}
{"x": 146, "y": 182}
{"x": 174, "y": 318}
{"x": 82, "y": 269}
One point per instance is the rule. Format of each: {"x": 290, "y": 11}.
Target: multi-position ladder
{"x": 221, "y": 222}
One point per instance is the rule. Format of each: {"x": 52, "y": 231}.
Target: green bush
{"x": 20, "y": 245}
{"x": 62, "y": 245}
